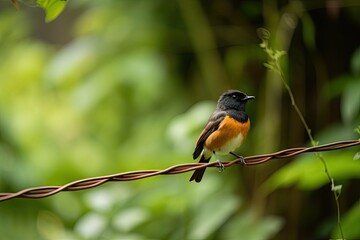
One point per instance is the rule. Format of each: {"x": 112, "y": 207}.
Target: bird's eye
{"x": 234, "y": 96}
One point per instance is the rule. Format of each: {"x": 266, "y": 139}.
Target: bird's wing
{"x": 211, "y": 126}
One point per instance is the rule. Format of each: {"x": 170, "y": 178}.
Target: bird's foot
{"x": 242, "y": 160}
{"x": 221, "y": 166}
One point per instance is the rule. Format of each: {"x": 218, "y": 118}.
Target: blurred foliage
{"x": 120, "y": 85}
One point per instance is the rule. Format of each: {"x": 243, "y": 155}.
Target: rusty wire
{"x": 46, "y": 191}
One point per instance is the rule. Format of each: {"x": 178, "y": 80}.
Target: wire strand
{"x": 46, "y": 191}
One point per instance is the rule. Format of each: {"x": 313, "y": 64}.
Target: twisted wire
{"x": 46, "y": 191}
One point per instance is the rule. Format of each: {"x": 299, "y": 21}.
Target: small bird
{"x": 225, "y": 131}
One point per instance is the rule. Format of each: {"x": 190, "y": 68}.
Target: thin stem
{"x": 293, "y": 103}
{"x": 275, "y": 66}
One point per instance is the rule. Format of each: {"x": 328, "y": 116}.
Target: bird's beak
{"x": 249, "y": 97}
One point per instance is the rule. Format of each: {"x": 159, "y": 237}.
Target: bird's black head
{"x": 233, "y": 99}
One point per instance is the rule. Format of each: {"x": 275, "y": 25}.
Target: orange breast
{"x": 229, "y": 136}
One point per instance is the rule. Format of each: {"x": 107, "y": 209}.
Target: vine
{"x": 274, "y": 65}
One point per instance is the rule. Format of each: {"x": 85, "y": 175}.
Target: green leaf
{"x": 308, "y": 172}
{"x": 269, "y": 66}
{"x": 357, "y": 130}
{"x": 278, "y": 54}
{"x": 263, "y": 45}
{"x": 337, "y": 189}
{"x": 52, "y": 8}
{"x": 357, "y": 156}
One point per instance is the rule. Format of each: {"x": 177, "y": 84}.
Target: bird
{"x": 225, "y": 130}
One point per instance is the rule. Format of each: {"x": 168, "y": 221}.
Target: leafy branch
{"x": 273, "y": 64}
{"x": 52, "y": 8}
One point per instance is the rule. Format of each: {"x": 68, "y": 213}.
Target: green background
{"x": 119, "y": 85}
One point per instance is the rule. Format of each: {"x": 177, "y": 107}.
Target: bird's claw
{"x": 242, "y": 161}
{"x": 221, "y": 166}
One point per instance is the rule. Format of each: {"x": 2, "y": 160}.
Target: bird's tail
{"x": 199, "y": 173}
